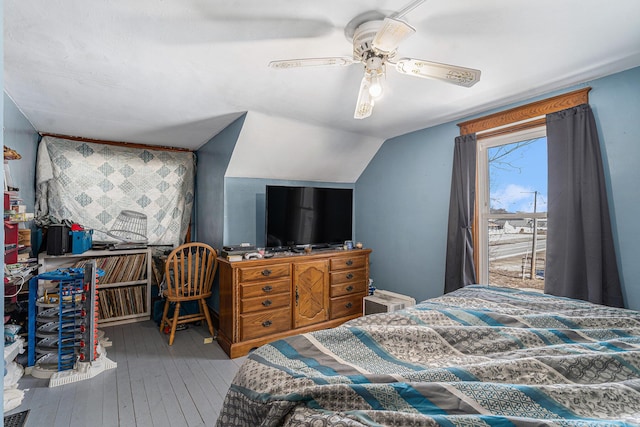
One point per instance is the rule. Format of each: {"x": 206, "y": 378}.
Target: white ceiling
{"x": 177, "y": 72}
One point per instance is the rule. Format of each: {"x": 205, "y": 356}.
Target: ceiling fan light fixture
{"x": 375, "y": 87}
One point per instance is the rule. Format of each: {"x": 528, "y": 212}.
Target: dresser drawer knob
{"x": 349, "y": 276}
{"x": 349, "y": 288}
{"x": 348, "y": 305}
{"x": 266, "y": 272}
{"x": 267, "y": 288}
{"x": 349, "y": 262}
{"x": 266, "y": 323}
{"x": 266, "y": 302}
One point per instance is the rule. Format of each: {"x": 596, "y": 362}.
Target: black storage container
{"x": 58, "y": 239}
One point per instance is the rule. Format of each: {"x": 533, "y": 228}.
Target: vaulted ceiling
{"x": 178, "y": 72}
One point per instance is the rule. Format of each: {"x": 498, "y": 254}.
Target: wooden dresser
{"x": 268, "y": 299}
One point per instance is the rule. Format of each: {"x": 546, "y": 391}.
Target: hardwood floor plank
{"x": 110, "y": 401}
{"x": 154, "y": 384}
{"x": 162, "y": 403}
{"x": 88, "y": 402}
{"x": 211, "y": 404}
{"x": 164, "y": 389}
{"x": 137, "y": 363}
{"x": 209, "y": 366}
{"x": 196, "y": 386}
{"x": 66, "y": 405}
{"x": 126, "y": 414}
{"x": 178, "y": 385}
{"x": 44, "y": 402}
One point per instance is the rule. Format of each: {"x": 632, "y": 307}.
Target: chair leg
{"x": 165, "y": 311}
{"x": 203, "y": 306}
{"x": 174, "y": 323}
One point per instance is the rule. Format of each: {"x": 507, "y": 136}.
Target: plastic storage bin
{"x": 10, "y": 242}
{"x": 81, "y": 241}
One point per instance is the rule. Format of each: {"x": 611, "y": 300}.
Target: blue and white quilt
{"x": 479, "y": 356}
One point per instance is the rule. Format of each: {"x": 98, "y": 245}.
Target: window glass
{"x": 512, "y": 183}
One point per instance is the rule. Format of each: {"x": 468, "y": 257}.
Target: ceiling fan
{"x": 375, "y": 38}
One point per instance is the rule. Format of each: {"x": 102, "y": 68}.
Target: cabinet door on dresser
{"x": 311, "y": 287}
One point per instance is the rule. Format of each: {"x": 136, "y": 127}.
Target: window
{"x": 511, "y": 202}
{"x": 495, "y": 132}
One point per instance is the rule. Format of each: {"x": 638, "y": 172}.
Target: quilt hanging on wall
{"x": 91, "y": 183}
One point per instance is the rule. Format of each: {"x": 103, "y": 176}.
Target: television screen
{"x": 298, "y": 216}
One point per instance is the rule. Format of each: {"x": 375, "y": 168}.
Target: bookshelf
{"x": 18, "y": 264}
{"x": 124, "y": 292}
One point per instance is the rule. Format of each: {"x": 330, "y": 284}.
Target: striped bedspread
{"x": 479, "y": 356}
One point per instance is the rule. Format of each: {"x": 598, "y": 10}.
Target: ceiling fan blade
{"x": 364, "y": 105}
{"x": 391, "y": 34}
{"x": 460, "y": 76}
{"x": 313, "y": 62}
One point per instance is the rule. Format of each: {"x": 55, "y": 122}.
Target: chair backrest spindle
{"x": 190, "y": 270}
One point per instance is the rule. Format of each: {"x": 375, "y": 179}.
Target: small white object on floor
{"x": 12, "y": 398}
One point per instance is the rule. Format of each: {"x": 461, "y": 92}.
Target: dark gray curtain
{"x": 581, "y": 260}
{"x": 460, "y": 270}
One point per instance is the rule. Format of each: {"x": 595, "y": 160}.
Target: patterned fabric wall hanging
{"x": 92, "y": 183}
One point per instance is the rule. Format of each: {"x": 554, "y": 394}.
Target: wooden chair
{"x": 189, "y": 272}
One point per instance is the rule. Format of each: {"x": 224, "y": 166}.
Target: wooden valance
{"x": 519, "y": 118}
{"x": 119, "y": 143}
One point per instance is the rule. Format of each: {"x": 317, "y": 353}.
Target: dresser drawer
{"x": 265, "y": 288}
{"x": 264, "y": 323}
{"x": 348, "y": 288}
{"x": 248, "y": 305}
{"x": 348, "y": 276}
{"x": 352, "y": 262}
{"x": 346, "y": 306}
{"x": 272, "y": 271}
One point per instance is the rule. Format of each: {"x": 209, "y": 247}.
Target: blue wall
{"x": 22, "y": 137}
{"x": 213, "y": 158}
{"x": 402, "y": 200}
{"x": 208, "y": 224}
{"x": 403, "y": 195}
{"x": 616, "y": 105}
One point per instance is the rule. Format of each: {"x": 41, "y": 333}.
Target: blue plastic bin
{"x": 81, "y": 241}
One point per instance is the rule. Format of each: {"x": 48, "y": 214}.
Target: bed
{"x": 479, "y": 356}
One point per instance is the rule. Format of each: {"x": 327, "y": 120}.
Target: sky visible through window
{"x": 516, "y": 172}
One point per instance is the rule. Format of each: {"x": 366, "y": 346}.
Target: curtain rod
{"x": 118, "y": 143}
{"x": 525, "y": 112}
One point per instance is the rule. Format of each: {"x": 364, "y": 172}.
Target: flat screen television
{"x": 299, "y": 216}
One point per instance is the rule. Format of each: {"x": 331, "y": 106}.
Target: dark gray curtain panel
{"x": 460, "y": 270}
{"x": 581, "y": 259}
